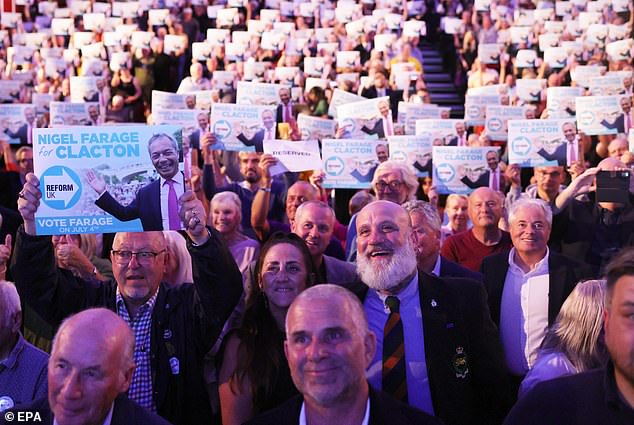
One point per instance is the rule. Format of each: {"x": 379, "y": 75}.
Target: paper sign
{"x": 461, "y": 169}
{"x": 242, "y": 127}
{"x": 294, "y": 156}
{"x": 349, "y": 163}
{"x": 537, "y": 143}
{"x": 414, "y": 150}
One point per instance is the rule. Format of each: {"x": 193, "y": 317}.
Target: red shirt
{"x": 464, "y": 249}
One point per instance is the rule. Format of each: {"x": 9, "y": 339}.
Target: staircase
{"x": 439, "y": 82}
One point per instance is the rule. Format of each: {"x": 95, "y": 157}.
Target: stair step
{"x": 441, "y": 77}
{"x": 431, "y": 60}
{"x": 434, "y": 87}
{"x": 433, "y": 68}
{"x": 446, "y": 98}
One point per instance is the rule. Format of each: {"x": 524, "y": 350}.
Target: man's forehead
{"x": 382, "y": 212}
{"x": 149, "y": 239}
{"x": 317, "y": 314}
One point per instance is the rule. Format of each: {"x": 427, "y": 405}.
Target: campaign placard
{"x": 366, "y": 118}
{"x": 606, "y": 85}
{"x": 294, "y": 156}
{"x": 249, "y": 93}
{"x": 409, "y": 113}
{"x": 560, "y": 101}
{"x": 103, "y": 179}
{"x": 341, "y": 97}
{"x": 475, "y": 107}
{"x": 167, "y": 100}
{"x": 84, "y": 89}
{"x": 10, "y": 91}
{"x": 489, "y": 53}
{"x": 242, "y": 127}
{"x": 538, "y": 143}
{"x": 443, "y": 132}
{"x": 460, "y": 169}
{"x": 70, "y": 114}
{"x": 349, "y": 163}
{"x": 599, "y": 114}
{"x": 313, "y": 128}
{"x": 529, "y": 90}
{"x": 15, "y": 121}
{"x": 186, "y": 119}
{"x": 414, "y": 150}
{"x": 497, "y": 117}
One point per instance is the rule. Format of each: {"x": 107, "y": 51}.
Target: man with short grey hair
{"x": 22, "y": 366}
{"x": 527, "y": 285}
{"x": 427, "y": 234}
{"x": 328, "y": 348}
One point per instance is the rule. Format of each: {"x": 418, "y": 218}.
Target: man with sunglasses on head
{"x": 173, "y": 326}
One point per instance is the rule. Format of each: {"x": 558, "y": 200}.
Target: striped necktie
{"x": 394, "y": 380}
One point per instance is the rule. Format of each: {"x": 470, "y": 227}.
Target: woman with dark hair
{"x": 254, "y": 376}
{"x": 317, "y": 103}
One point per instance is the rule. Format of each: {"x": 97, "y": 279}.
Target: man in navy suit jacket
{"x": 147, "y": 204}
{"x": 94, "y": 341}
{"x": 328, "y": 348}
{"x": 268, "y": 122}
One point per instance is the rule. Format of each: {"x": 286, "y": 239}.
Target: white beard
{"x": 388, "y": 275}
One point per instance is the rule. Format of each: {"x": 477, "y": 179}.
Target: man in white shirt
{"x": 528, "y": 285}
{"x": 196, "y": 81}
{"x": 328, "y": 347}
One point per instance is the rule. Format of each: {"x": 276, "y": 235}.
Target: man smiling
{"x": 156, "y": 204}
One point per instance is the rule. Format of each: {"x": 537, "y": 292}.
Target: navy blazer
{"x": 450, "y": 269}
{"x": 145, "y": 206}
{"x": 482, "y": 181}
{"x": 257, "y": 140}
{"x": 457, "y": 325}
{"x": 377, "y": 129}
{"x": 560, "y": 154}
{"x": 125, "y": 412}
{"x": 564, "y": 273}
{"x": 384, "y": 410}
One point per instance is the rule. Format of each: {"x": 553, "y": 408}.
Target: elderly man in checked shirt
{"x": 173, "y": 327}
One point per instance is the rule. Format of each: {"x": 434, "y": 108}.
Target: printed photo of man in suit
{"x": 155, "y": 204}
{"x": 25, "y": 131}
{"x": 623, "y": 122}
{"x": 267, "y": 132}
{"x": 557, "y": 150}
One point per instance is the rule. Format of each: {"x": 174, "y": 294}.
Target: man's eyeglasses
{"x": 143, "y": 257}
{"x": 393, "y": 185}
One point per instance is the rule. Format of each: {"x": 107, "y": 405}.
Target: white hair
{"x": 524, "y": 203}
{"x": 9, "y": 299}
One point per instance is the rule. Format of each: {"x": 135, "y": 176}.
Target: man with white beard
{"x": 437, "y": 348}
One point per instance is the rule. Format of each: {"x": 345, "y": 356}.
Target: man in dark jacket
{"x": 173, "y": 327}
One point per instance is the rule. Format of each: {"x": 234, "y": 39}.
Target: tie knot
{"x": 169, "y": 182}
{"x": 393, "y": 303}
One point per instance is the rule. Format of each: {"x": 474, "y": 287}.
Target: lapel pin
{"x": 434, "y": 303}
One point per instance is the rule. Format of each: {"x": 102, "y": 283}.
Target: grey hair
{"x": 429, "y": 212}
{"x": 158, "y": 136}
{"x": 9, "y": 299}
{"x": 335, "y": 294}
{"x": 320, "y": 204}
{"x": 407, "y": 174}
{"x": 455, "y": 196}
{"x": 229, "y": 197}
{"x": 176, "y": 246}
{"x": 523, "y": 203}
{"x": 579, "y": 326}
{"x": 359, "y": 200}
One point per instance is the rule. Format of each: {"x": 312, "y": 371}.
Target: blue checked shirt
{"x": 141, "y": 387}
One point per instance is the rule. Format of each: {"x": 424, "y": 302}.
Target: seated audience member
{"x": 77, "y": 253}
{"x": 393, "y": 181}
{"x": 527, "y": 285}
{"x": 300, "y": 192}
{"x": 254, "y": 375}
{"x": 225, "y": 217}
{"x": 168, "y": 376}
{"x": 456, "y": 208}
{"x": 461, "y": 378}
{"x": 178, "y": 269}
{"x": 484, "y": 238}
{"x": 574, "y": 343}
{"x": 600, "y": 396}
{"x": 426, "y": 227}
{"x": 89, "y": 372}
{"x": 328, "y": 348}
{"x": 22, "y": 366}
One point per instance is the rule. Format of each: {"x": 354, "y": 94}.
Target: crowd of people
{"x": 285, "y": 301}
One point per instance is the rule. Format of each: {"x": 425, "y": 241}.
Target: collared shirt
{"x": 436, "y": 270}
{"x": 365, "y": 421}
{"x": 497, "y": 182}
{"x": 418, "y": 390}
{"x": 22, "y": 375}
{"x": 179, "y": 187}
{"x": 106, "y": 421}
{"x": 524, "y": 313}
{"x": 141, "y": 387}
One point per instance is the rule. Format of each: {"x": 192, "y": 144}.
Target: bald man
{"x": 328, "y": 332}
{"x": 173, "y": 326}
{"x": 89, "y": 372}
{"x": 484, "y": 238}
{"x": 446, "y": 359}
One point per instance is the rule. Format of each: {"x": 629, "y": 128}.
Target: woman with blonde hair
{"x": 574, "y": 343}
